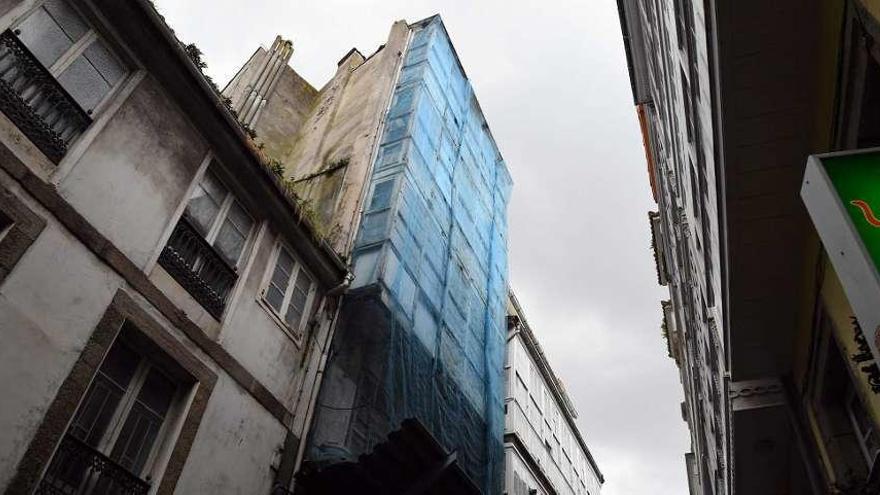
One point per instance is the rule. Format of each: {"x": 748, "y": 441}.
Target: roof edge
{"x": 558, "y": 388}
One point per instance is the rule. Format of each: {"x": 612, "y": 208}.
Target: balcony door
{"x": 115, "y": 432}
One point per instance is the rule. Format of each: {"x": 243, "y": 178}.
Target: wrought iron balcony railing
{"x": 79, "y": 469}
{"x": 198, "y": 267}
{"x": 34, "y": 101}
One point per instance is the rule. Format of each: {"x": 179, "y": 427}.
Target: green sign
{"x": 857, "y": 181}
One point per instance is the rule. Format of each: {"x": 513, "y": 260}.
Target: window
{"x": 847, "y": 430}
{"x": 864, "y": 429}
{"x": 117, "y": 428}
{"x": 65, "y": 44}
{"x": 290, "y": 290}
{"x": 219, "y": 218}
{"x": 687, "y": 101}
{"x": 208, "y": 243}
{"x": 125, "y": 408}
{"x": 55, "y": 71}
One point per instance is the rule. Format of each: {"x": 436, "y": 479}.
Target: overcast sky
{"x": 551, "y": 78}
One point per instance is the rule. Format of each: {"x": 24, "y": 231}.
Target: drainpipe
{"x": 294, "y": 445}
{"x": 322, "y": 365}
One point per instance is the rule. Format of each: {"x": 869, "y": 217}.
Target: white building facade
{"x": 668, "y": 58}
{"x": 544, "y": 450}
{"x": 164, "y": 305}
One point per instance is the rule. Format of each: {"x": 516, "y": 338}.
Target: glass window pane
{"x": 70, "y": 21}
{"x": 381, "y": 195}
{"x": 204, "y": 204}
{"x": 239, "y": 218}
{"x": 233, "y": 233}
{"x": 283, "y": 267}
{"x": 156, "y": 392}
{"x": 229, "y": 242}
{"x": 280, "y": 278}
{"x": 293, "y": 316}
{"x": 274, "y": 297}
{"x": 285, "y": 261}
{"x": 303, "y": 282}
{"x": 139, "y": 430}
{"x": 97, "y": 409}
{"x": 44, "y": 37}
{"x": 214, "y": 187}
{"x": 84, "y": 83}
{"x": 297, "y": 306}
{"x": 101, "y": 59}
{"x": 120, "y": 364}
{"x": 136, "y": 438}
{"x": 298, "y": 299}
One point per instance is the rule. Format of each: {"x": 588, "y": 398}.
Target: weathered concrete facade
{"x": 326, "y": 139}
{"x": 101, "y": 253}
{"x": 396, "y": 163}
{"x": 545, "y": 452}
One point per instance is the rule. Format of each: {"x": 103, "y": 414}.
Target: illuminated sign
{"x": 842, "y": 194}
{"x": 856, "y": 178}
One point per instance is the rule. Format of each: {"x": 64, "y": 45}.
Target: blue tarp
{"x": 430, "y": 342}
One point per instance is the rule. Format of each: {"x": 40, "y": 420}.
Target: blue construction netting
{"x": 423, "y": 335}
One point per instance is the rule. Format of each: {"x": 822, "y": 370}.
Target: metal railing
{"x": 35, "y": 102}
{"x": 198, "y": 268}
{"x": 79, "y": 469}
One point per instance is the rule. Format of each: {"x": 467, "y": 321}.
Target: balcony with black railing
{"x": 198, "y": 268}
{"x": 79, "y": 469}
{"x": 35, "y": 102}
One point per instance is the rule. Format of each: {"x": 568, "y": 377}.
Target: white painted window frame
{"x": 225, "y": 206}
{"x": 80, "y": 46}
{"x": 278, "y": 315}
{"x": 127, "y": 402}
{"x": 861, "y": 437}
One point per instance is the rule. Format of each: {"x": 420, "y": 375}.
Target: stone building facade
{"x": 165, "y": 303}
{"x": 671, "y": 88}
{"x": 738, "y": 102}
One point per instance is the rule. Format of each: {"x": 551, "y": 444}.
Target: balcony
{"x": 198, "y": 268}
{"x": 35, "y": 102}
{"x": 79, "y": 469}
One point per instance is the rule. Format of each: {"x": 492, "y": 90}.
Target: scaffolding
{"x": 422, "y": 334}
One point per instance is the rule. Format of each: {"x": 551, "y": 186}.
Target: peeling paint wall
{"x": 144, "y": 159}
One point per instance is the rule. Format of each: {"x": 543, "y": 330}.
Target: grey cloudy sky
{"x": 551, "y": 78}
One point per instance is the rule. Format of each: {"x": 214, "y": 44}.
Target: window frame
{"x": 213, "y": 231}
{"x": 77, "y": 48}
{"x": 17, "y": 236}
{"x": 110, "y": 438}
{"x": 196, "y": 381}
{"x": 278, "y": 315}
{"x": 832, "y": 413}
{"x": 861, "y": 437}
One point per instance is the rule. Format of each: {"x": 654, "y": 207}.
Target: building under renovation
{"x": 396, "y": 162}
